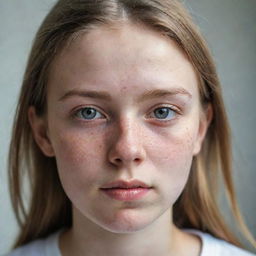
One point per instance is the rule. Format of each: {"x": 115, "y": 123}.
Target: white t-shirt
{"x": 211, "y": 246}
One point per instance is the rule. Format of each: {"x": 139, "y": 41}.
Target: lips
{"x": 126, "y": 190}
{"x": 125, "y": 184}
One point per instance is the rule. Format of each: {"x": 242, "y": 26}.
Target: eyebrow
{"x": 87, "y": 94}
{"x": 156, "y": 93}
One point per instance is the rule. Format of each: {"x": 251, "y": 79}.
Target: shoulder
{"x": 212, "y": 246}
{"x": 35, "y": 248}
{"x": 40, "y": 247}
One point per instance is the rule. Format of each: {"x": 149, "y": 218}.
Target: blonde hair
{"x": 49, "y": 208}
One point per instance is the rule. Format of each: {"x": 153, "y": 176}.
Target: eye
{"x": 164, "y": 113}
{"x": 88, "y": 113}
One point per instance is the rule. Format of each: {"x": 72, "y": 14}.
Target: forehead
{"x": 125, "y": 55}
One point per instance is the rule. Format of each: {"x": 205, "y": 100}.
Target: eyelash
{"x": 172, "y": 108}
{"x": 76, "y": 112}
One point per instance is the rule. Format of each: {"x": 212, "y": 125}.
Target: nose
{"x": 127, "y": 147}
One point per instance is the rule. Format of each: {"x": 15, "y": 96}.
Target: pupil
{"x": 161, "y": 113}
{"x": 89, "y": 113}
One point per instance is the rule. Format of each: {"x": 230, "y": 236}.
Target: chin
{"x": 125, "y": 227}
{"x": 127, "y": 221}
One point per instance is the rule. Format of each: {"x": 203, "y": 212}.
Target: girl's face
{"x": 123, "y": 104}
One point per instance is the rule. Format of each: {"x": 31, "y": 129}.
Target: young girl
{"x": 122, "y": 130}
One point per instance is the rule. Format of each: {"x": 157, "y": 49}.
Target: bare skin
{"x": 124, "y": 75}
{"x": 168, "y": 241}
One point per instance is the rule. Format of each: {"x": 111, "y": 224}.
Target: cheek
{"x": 174, "y": 148}
{"x": 172, "y": 157}
{"x": 79, "y": 157}
{"x": 76, "y": 145}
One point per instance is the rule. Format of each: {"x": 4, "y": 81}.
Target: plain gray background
{"x": 230, "y": 29}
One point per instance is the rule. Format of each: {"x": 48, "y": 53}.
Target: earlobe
{"x": 205, "y": 121}
{"x": 40, "y": 134}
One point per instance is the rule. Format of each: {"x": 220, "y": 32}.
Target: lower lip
{"x": 126, "y": 194}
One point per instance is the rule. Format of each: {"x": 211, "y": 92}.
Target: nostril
{"x": 119, "y": 160}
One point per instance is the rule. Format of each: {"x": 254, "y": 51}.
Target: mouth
{"x": 126, "y": 191}
{"x": 121, "y": 184}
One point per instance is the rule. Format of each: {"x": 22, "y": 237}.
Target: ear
{"x": 40, "y": 132}
{"x": 205, "y": 120}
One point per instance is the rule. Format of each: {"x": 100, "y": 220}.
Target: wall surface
{"x": 229, "y": 27}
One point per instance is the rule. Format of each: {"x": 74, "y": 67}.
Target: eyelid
{"x": 80, "y": 108}
{"x": 170, "y": 106}
{"x": 174, "y": 108}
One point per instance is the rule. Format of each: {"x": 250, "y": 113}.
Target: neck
{"x": 86, "y": 238}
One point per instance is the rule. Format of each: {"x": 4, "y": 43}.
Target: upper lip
{"x": 125, "y": 184}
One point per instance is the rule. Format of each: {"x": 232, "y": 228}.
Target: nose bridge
{"x": 127, "y": 147}
{"x": 128, "y": 133}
